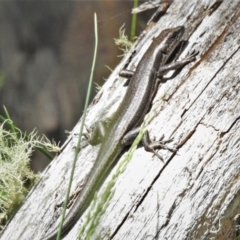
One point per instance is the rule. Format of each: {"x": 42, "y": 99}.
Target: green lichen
{"x": 16, "y": 177}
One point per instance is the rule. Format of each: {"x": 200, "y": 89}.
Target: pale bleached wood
{"x": 195, "y": 195}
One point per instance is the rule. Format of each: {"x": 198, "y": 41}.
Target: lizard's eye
{"x": 164, "y": 52}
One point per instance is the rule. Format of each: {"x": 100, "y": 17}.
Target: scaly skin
{"x": 128, "y": 116}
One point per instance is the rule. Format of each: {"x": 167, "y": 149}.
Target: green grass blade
{"x": 81, "y": 128}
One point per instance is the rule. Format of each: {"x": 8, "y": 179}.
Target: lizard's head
{"x": 170, "y": 39}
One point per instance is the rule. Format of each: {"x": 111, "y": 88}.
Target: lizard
{"x": 121, "y": 129}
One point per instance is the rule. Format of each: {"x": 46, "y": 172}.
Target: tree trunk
{"x": 195, "y": 193}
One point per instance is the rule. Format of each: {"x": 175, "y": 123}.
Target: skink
{"x": 129, "y": 115}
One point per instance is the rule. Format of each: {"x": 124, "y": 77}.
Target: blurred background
{"x": 46, "y": 51}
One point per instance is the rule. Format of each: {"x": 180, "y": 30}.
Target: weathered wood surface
{"x": 195, "y": 195}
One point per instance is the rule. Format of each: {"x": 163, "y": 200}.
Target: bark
{"x": 195, "y": 194}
